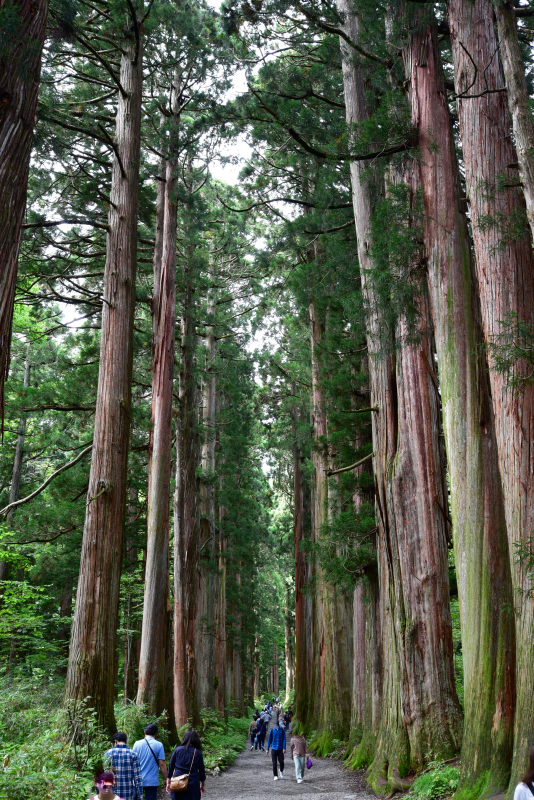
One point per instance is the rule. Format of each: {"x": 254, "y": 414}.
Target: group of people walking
{"x": 134, "y": 772}
{"x": 273, "y": 719}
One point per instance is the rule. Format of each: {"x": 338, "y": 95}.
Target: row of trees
{"x": 130, "y": 343}
{"x": 379, "y": 246}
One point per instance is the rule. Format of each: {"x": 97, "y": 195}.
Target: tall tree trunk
{"x": 504, "y": 268}
{"x": 91, "y": 671}
{"x": 480, "y": 543}
{"x": 319, "y": 518}
{"x": 518, "y": 99}
{"x": 132, "y": 635}
{"x": 180, "y": 663}
{"x": 420, "y": 712}
{"x": 152, "y": 690}
{"x": 187, "y": 486}
{"x": 209, "y": 577}
{"x": 302, "y": 645}
{"x": 288, "y": 645}
{"x": 20, "y": 72}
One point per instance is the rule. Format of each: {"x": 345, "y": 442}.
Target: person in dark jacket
{"x": 260, "y": 735}
{"x": 188, "y": 757}
{"x": 277, "y": 745}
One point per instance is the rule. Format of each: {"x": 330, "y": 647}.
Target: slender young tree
{"x": 92, "y": 662}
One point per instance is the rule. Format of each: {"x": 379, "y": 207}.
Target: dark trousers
{"x": 252, "y": 736}
{"x": 259, "y": 743}
{"x": 277, "y": 755}
{"x": 151, "y": 792}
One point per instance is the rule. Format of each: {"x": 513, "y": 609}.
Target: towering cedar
{"x": 20, "y": 71}
{"x": 91, "y": 670}
{"x": 518, "y": 99}
{"x": 331, "y": 635}
{"x": 420, "y": 710}
{"x": 152, "y": 678}
{"x": 131, "y": 637}
{"x": 180, "y": 664}
{"x": 319, "y": 510}
{"x": 220, "y": 619}
{"x": 288, "y": 645}
{"x": 481, "y": 548}
{"x": 186, "y": 517}
{"x": 302, "y": 644}
{"x": 504, "y": 268}
{"x": 208, "y": 589}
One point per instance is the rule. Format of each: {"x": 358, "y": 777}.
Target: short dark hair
{"x": 120, "y": 736}
{"x": 109, "y": 777}
{"x": 151, "y": 729}
{"x": 192, "y": 739}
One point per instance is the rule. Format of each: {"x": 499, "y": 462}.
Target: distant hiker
{"x": 151, "y": 756}
{"x": 277, "y": 745}
{"x": 187, "y": 759}
{"x": 260, "y": 735}
{"x": 298, "y": 754}
{"x": 252, "y": 730}
{"x": 126, "y": 768}
{"x": 287, "y": 720}
{"x": 105, "y": 784}
{"x": 525, "y": 789}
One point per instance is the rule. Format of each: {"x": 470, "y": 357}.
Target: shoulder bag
{"x": 179, "y": 783}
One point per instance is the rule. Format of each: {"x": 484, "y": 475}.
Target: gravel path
{"x": 251, "y": 778}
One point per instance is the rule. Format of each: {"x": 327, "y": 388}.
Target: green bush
{"x": 435, "y": 784}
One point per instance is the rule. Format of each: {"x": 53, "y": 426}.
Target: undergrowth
{"x": 53, "y": 753}
{"x": 436, "y": 783}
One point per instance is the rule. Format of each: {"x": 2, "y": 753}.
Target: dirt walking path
{"x": 251, "y": 778}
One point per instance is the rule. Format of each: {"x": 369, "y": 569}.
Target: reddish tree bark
{"x": 20, "y": 71}
{"x": 505, "y": 274}
{"x": 152, "y": 689}
{"x": 91, "y": 671}
{"x": 481, "y": 548}
{"x": 301, "y": 634}
{"x": 518, "y": 99}
{"x": 420, "y": 711}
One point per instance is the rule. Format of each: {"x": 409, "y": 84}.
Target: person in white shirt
{"x": 525, "y": 789}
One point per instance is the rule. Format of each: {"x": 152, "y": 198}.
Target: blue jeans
{"x": 151, "y": 792}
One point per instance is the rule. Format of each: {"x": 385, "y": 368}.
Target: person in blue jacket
{"x": 277, "y": 746}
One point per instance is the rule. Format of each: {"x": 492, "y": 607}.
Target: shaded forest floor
{"x": 251, "y": 777}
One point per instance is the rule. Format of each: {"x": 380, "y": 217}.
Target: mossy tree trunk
{"x": 505, "y": 274}
{"x": 152, "y": 689}
{"x": 92, "y": 657}
{"x": 481, "y": 549}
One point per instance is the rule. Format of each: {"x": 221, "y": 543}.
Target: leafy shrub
{"x": 437, "y": 783}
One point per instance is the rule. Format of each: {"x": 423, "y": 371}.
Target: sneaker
{"x": 299, "y": 780}
{"x": 275, "y": 778}
{"x": 281, "y": 774}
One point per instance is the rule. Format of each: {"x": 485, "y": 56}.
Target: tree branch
{"x": 47, "y": 481}
{"x": 352, "y": 466}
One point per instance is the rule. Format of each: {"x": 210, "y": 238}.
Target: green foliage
{"x": 440, "y": 781}
{"x": 512, "y": 351}
{"x": 397, "y": 250}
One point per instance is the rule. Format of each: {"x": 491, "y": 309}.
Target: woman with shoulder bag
{"x": 186, "y": 769}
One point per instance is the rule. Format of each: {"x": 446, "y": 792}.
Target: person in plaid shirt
{"x": 125, "y": 765}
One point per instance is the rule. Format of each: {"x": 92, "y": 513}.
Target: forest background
{"x": 270, "y": 432}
